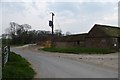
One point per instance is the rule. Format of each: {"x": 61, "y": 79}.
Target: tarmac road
{"x": 47, "y": 66}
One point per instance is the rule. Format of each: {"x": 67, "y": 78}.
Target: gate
{"x": 5, "y": 54}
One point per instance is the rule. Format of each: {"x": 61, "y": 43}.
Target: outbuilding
{"x": 103, "y": 36}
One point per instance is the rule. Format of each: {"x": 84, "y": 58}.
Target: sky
{"x": 74, "y": 16}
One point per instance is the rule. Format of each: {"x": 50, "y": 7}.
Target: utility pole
{"x": 52, "y": 26}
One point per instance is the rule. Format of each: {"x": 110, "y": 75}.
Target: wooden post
{"x": 2, "y": 56}
{"x": 52, "y": 31}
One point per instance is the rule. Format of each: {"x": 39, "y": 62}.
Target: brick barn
{"x": 103, "y": 36}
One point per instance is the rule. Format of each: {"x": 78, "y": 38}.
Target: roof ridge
{"x": 106, "y": 26}
{"x": 78, "y": 34}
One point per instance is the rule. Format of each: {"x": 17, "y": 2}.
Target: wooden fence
{"x": 5, "y": 54}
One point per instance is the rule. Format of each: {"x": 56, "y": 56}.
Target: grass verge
{"x": 17, "y": 68}
{"x": 80, "y": 50}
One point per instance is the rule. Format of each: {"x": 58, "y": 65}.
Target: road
{"x": 47, "y": 66}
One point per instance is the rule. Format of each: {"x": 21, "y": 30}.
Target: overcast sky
{"x": 73, "y": 16}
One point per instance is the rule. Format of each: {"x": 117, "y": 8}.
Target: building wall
{"x": 60, "y": 44}
{"x": 101, "y": 42}
{"x": 119, "y": 43}
{"x": 70, "y": 44}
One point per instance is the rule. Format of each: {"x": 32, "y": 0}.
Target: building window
{"x": 115, "y": 40}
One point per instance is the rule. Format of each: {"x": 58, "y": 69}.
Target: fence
{"x": 5, "y": 53}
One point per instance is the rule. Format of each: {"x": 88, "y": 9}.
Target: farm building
{"x": 100, "y": 36}
{"x": 103, "y": 36}
{"x": 75, "y": 40}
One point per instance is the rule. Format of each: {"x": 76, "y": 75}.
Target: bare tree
{"x": 68, "y": 33}
{"x": 58, "y": 32}
{"x": 26, "y": 27}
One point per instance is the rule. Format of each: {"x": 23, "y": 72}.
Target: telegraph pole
{"x": 52, "y": 26}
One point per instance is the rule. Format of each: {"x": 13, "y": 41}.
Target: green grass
{"x": 77, "y": 50}
{"x": 17, "y": 68}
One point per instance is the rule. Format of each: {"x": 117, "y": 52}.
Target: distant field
{"x": 17, "y": 68}
{"x": 77, "y": 50}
